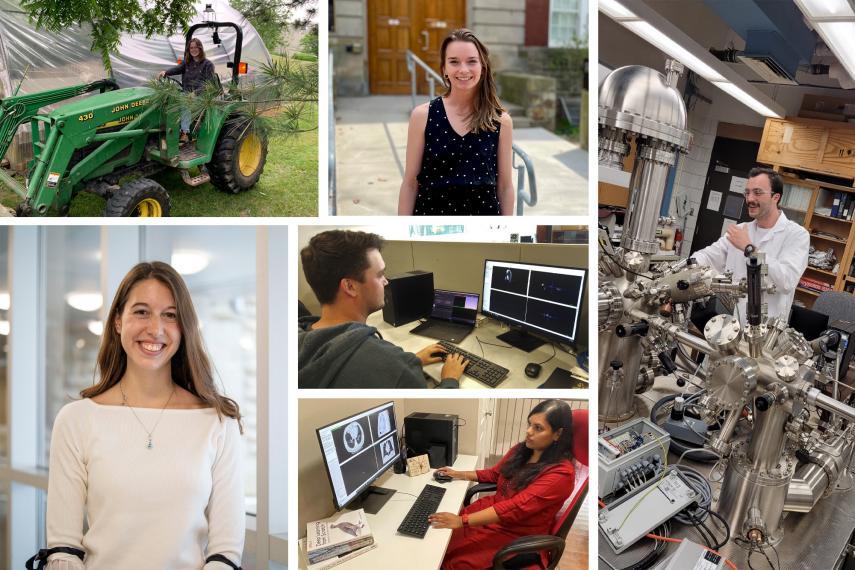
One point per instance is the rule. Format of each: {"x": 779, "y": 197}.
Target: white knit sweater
{"x": 168, "y": 507}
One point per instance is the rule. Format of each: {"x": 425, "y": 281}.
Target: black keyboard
{"x": 416, "y": 522}
{"x": 478, "y": 368}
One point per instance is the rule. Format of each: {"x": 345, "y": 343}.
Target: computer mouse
{"x": 440, "y": 478}
{"x": 532, "y": 369}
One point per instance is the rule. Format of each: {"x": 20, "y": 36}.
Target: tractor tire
{"x": 142, "y": 197}
{"x": 238, "y": 160}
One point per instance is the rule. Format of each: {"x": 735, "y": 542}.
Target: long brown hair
{"x": 191, "y": 367}
{"x": 486, "y": 110}
{"x": 197, "y": 41}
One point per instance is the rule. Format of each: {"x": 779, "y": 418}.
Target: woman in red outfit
{"x": 534, "y": 480}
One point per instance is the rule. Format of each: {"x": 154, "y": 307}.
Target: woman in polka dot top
{"x": 459, "y": 144}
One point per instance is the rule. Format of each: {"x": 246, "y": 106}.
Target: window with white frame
{"x": 568, "y": 23}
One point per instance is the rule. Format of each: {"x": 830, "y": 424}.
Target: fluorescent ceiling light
{"x": 190, "y": 261}
{"x": 4, "y": 328}
{"x": 84, "y": 301}
{"x": 746, "y": 99}
{"x": 826, "y": 8}
{"x": 614, "y": 9}
{"x": 840, "y": 37}
{"x": 650, "y": 34}
{"x": 5, "y": 301}
{"x": 95, "y": 327}
{"x": 646, "y": 31}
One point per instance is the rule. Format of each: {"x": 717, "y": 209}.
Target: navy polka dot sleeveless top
{"x": 458, "y": 175}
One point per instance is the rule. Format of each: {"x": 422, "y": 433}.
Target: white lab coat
{"x": 786, "y": 247}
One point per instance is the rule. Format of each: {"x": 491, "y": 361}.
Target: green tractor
{"x": 109, "y": 142}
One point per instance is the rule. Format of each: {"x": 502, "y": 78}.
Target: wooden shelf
{"x": 807, "y": 291}
{"x": 823, "y": 271}
{"x": 830, "y": 186}
{"x": 833, "y": 240}
{"x": 850, "y": 279}
{"x": 815, "y": 215}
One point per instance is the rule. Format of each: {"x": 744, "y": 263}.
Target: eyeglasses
{"x": 756, "y": 193}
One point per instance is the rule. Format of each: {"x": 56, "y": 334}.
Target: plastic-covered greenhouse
{"x": 46, "y": 60}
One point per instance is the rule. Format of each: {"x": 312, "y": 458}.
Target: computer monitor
{"x": 808, "y": 322}
{"x": 455, "y": 306}
{"x": 357, "y": 450}
{"x": 541, "y": 299}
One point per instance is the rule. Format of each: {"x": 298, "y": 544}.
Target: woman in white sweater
{"x": 150, "y": 456}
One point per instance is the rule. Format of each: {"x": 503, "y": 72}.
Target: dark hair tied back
{"x": 518, "y": 470}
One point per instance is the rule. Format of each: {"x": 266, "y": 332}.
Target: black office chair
{"x": 525, "y": 551}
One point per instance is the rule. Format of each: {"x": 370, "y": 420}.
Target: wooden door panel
{"x": 434, "y": 20}
{"x": 389, "y": 31}
{"x": 394, "y": 26}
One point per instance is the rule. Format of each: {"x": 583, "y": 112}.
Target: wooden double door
{"x": 394, "y": 26}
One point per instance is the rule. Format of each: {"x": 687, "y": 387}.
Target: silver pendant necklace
{"x": 149, "y": 444}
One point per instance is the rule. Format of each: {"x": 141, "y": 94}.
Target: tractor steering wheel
{"x": 172, "y": 78}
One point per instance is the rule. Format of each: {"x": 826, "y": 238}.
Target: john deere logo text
{"x": 126, "y": 106}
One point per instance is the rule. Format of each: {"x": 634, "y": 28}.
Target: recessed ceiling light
{"x": 95, "y": 327}
{"x": 826, "y": 8}
{"x": 190, "y": 261}
{"x": 840, "y": 37}
{"x": 614, "y": 9}
{"x": 85, "y": 301}
{"x": 650, "y": 34}
{"x": 746, "y": 99}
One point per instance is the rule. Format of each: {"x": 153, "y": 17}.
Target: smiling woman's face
{"x": 148, "y": 326}
{"x": 462, "y": 65}
{"x": 194, "y": 49}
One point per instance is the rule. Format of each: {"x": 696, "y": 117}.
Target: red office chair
{"x": 524, "y": 552}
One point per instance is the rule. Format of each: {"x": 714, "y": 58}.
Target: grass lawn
{"x": 288, "y": 187}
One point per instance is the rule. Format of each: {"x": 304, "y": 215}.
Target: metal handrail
{"x": 523, "y": 197}
{"x": 331, "y": 193}
{"x": 432, "y": 76}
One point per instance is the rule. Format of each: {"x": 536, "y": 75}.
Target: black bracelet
{"x": 223, "y": 559}
{"x": 44, "y": 553}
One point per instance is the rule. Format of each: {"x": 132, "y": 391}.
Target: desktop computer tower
{"x": 433, "y": 434}
{"x": 408, "y": 297}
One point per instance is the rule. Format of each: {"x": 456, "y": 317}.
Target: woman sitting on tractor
{"x": 195, "y": 70}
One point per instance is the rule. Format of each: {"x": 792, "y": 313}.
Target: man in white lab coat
{"x": 784, "y": 242}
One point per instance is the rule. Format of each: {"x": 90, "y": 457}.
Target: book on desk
{"x": 338, "y": 535}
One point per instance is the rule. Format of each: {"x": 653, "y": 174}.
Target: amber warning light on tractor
{"x": 243, "y": 68}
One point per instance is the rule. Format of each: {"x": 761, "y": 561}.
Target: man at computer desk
{"x": 338, "y": 350}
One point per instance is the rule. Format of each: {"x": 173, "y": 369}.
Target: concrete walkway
{"x": 371, "y": 147}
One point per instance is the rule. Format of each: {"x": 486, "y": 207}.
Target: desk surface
{"x": 393, "y": 548}
{"x": 513, "y": 359}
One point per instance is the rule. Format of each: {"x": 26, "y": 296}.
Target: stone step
{"x": 517, "y": 112}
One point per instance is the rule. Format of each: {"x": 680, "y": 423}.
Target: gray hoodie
{"x": 352, "y": 355}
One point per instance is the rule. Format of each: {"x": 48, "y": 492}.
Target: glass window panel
{"x": 4, "y": 344}
{"x": 218, "y": 264}
{"x": 565, "y": 23}
{"x": 73, "y": 311}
